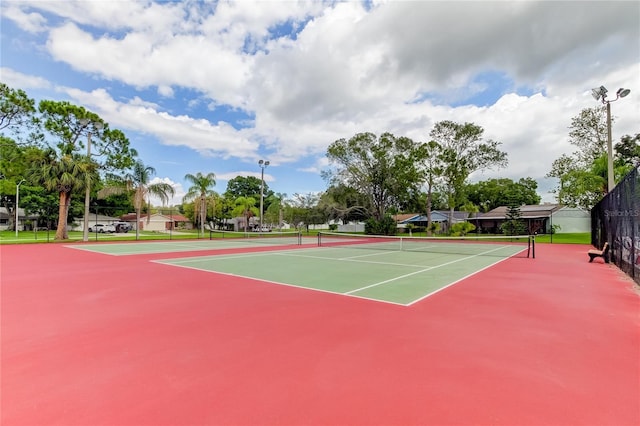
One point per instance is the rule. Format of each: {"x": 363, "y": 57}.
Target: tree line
{"x": 582, "y": 175}
{"x": 370, "y": 177}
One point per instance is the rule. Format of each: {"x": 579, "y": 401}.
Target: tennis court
{"x": 218, "y": 241}
{"x": 388, "y": 269}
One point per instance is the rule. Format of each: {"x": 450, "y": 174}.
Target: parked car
{"x": 264, "y": 229}
{"x": 122, "y": 226}
{"x": 101, "y": 228}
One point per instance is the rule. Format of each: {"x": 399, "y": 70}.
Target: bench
{"x": 604, "y": 253}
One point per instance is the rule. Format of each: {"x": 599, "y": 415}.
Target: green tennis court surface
{"x": 393, "y": 276}
{"x": 131, "y": 248}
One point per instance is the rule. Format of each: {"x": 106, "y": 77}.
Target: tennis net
{"x": 273, "y": 237}
{"x": 500, "y": 246}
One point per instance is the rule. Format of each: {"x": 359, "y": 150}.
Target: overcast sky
{"x": 217, "y": 86}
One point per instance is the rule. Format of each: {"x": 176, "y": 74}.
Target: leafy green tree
{"x": 15, "y": 107}
{"x": 71, "y": 125}
{"x": 246, "y": 186}
{"x": 115, "y": 204}
{"x": 35, "y": 199}
{"x": 383, "y": 169}
{"x": 431, "y": 166}
{"x": 223, "y": 210}
{"x": 15, "y": 162}
{"x": 385, "y": 226}
{"x": 627, "y": 151}
{"x": 582, "y": 176}
{"x": 463, "y": 152}
{"x": 493, "y": 193}
{"x": 582, "y": 188}
{"x": 275, "y": 211}
{"x": 17, "y": 114}
{"x": 340, "y": 202}
{"x": 588, "y": 132}
{"x": 110, "y": 148}
{"x": 200, "y": 190}
{"x": 245, "y": 207}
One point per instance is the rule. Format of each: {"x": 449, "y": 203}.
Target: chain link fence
{"x": 616, "y": 220}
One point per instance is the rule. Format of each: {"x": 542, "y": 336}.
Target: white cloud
{"x": 30, "y": 22}
{"x": 175, "y": 200}
{"x": 16, "y": 79}
{"x": 349, "y": 69}
{"x": 219, "y": 139}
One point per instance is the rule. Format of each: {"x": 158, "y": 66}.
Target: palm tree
{"x": 63, "y": 174}
{"x": 137, "y": 183}
{"x": 280, "y": 196}
{"x": 198, "y": 192}
{"x": 245, "y": 207}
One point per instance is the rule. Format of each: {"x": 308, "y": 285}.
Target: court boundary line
{"x": 426, "y": 269}
{"x": 347, "y": 259}
{"x": 181, "y": 262}
{"x": 204, "y": 247}
{"x": 280, "y": 283}
{"x": 88, "y": 246}
{"x": 458, "y": 280}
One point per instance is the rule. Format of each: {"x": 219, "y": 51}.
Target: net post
{"x": 319, "y": 239}
{"x": 532, "y": 243}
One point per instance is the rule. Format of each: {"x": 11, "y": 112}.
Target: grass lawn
{"x": 568, "y": 238}
{"x": 9, "y": 237}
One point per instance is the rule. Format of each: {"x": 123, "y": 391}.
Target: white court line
{"x": 149, "y": 247}
{"x": 217, "y": 257}
{"x": 423, "y": 270}
{"x": 348, "y": 259}
{"x": 456, "y": 282}
{"x": 373, "y": 254}
{"x": 281, "y": 283}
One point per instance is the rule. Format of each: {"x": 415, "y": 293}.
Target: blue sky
{"x": 217, "y": 86}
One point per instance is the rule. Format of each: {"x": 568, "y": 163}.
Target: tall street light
{"x": 600, "y": 94}
{"x": 87, "y": 194}
{"x": 18, "y": 203}
{"x": 263, "y": 165}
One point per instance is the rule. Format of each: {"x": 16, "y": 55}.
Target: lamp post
{"x": 600, "y": 94}
{"x": 17, "y": 202}
{"x": 263, "y": 165}
{"x": 87, "y": 194}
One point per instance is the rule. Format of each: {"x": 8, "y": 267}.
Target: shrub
{"x": 462, "y": 228}
{"x": 386, "y": 226}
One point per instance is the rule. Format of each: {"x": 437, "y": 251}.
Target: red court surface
{"x": 90, "y": 339}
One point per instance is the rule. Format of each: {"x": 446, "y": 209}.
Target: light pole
{"x": 600, "y": 94}
{"x": 17, "y": 202}
{"x": 87, "y": 193}
{"x": 263, "y": 165}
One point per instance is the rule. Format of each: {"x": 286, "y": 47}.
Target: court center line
{"x": 423, "y": 270}
{"x": 455, "y": 282}
{"x": 283, "y": 284}
{"x": 367, "y": 255}
{"x": 347, "y": 259}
